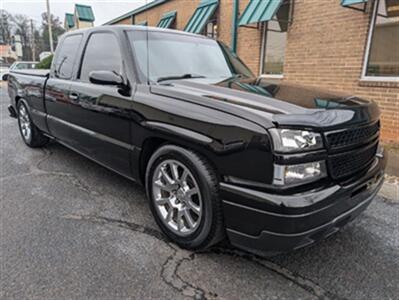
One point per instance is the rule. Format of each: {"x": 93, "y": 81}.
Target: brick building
{"x": 345, "y": 45}
{"x": 7, "y": 54}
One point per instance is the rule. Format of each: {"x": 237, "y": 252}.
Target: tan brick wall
{"x": 225, "y": 19}
{"x": 84, "y": 24}
{"x": 184, "y": 8}
{"x": 127, "y": 21}
{"x": 249, "y": 42}
{"x": 325, "y": 48}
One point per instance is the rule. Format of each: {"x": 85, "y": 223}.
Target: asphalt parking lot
{"x": 72, "y": 229}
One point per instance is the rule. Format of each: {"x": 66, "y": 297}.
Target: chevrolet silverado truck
{"x": 269, "y": 166}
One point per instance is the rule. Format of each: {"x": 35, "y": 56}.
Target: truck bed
{"x": 30, "y": 72}
{"x": 29, "y": 85}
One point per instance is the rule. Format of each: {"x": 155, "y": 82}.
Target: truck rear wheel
{"x": 30, "y": 134}
{"x": 183, "y": 191}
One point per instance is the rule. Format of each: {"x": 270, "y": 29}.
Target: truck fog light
{"x": 298, "y": 174}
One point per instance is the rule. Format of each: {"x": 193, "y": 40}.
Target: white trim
{"x": 262, "y": 56}
{"x": 272, "y": 76}
{"x": 262, "y": 49}
{"x": 370, "y": 35}
{"x": 379, "y": 79}
{"x": 364, "y": 77}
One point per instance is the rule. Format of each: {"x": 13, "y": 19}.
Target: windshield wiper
{"x": 178, "y": 77}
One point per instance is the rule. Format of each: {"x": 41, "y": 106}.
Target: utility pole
{"x": 50, "y": 31}
{"x": 33, "y": 45}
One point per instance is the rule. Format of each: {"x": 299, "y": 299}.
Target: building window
{"x": 274, "y": 42}
{"x": 211, "y": 28}
{"x": 382, "y": 54}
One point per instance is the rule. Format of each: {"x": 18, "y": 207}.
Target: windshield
{"x": 177, "y": 55}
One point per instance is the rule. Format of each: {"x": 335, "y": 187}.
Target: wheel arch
{"x": 152, "y": 143}
{"x": 19, "y": 99}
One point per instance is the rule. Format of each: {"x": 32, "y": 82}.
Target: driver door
{"x": 97, "y": 112}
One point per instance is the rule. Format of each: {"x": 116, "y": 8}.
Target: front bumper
{"x": 267, "y": 224}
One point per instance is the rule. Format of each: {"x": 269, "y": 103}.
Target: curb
{"x": 390, "y": 191}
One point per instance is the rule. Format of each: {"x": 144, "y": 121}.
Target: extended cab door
{"x": 57, "y": 101}
{"x": 98, "y": 115}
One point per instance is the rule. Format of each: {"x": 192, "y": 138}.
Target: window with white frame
{"x": 382, "y": 54}
{"x": 274, "y": 42}
{"x": 211, "y": 28}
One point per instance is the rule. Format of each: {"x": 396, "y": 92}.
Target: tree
{"x": 22, "y": 28}
{"x": 5, "y": 27}
{"x": 45, "y": 63}
{"x": 56, "y": 27}
{"x": 38, "y": 43}
{"x": 26, "y": 29}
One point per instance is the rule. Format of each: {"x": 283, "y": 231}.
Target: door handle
{"x": 73, "y": 96}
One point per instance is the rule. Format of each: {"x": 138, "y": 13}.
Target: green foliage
{"x": 45, "y": 63}
{"x": 57, "y": 30}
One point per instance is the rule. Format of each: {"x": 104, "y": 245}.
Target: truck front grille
{"x": 354, "y": 136}
{"x": 345, "y": 164}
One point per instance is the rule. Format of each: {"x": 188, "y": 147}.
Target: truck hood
{"x": 269, "y": 104}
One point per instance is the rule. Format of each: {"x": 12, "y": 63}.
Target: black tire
{"x": 210, "y": 230}
{"x": 36, "y": 138}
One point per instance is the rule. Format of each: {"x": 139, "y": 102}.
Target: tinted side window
{"x": 66, "y": 56}
{"x": 102, "y": 54}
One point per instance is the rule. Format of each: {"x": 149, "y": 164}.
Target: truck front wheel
{"x": 30, "y": 134}
{"x": 183, "y": 191}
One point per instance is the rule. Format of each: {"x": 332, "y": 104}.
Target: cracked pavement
{"x": 71, "y": 229}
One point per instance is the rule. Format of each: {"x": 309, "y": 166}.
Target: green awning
{"x": 144, "y": 23}
{"x": 352, "y": 2}
{"x": 70, "y": 20}
{"x": 259, "y": 11}
{"x": 85, "y": 12}
{"x": 167, "y": 20}
{"x": 201, "y": 16}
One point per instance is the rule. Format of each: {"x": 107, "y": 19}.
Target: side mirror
{"x": 5, "y": 77}
{"x": 105, "y": 78}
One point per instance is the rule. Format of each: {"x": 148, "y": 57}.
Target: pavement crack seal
{"x": 171, "y": 277}
{"x": 169, "y": 267}
{"x": 120, "y": 223}
{"x": 74, "y": 179}
{"x": 295, "y": 278}
{"x": 36, "y": 170}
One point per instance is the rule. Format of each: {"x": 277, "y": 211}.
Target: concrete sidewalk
{"x": 393, "y": 159}
{"x": 390, "y": 189}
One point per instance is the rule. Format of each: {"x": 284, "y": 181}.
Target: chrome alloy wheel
{"x": 177, "y": 197}
{"x": 24, "y": 123}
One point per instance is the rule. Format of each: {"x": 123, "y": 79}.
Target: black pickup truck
{"x": 272, "y": 167}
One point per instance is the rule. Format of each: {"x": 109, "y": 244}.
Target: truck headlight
{"x": 299, "y": 174}
{"x": 288, "y": 140}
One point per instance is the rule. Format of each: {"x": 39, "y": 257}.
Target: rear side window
{"x": 102, "y": 54}
{"x": 65, "y": 59}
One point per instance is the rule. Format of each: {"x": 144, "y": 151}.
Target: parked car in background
{"x": 4, "y": 69}
{"x": 272, "y": 167}
{"x": 23, "y": 65}
{"x": 19, "y": 65}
